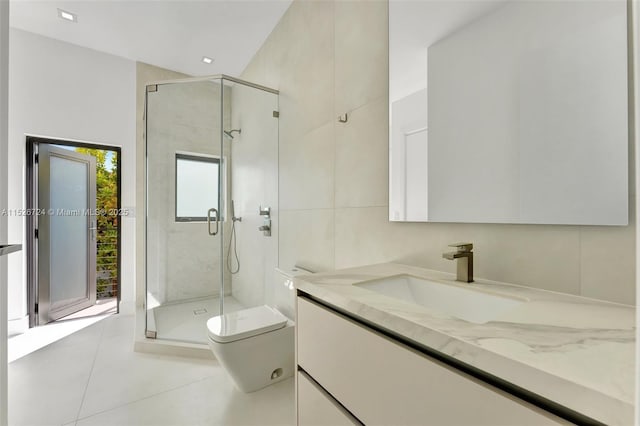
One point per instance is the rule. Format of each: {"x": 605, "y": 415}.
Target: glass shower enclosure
{"x": 211, "y": 192}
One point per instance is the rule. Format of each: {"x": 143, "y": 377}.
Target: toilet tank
{"x": 284, "y": 293}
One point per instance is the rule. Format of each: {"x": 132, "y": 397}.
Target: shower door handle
{"x": 215, "y": 218}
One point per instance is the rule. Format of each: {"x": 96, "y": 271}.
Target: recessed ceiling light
{"x": 67, "y": 16}
{"x": 207, "y": 60}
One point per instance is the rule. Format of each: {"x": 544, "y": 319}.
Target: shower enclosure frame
{"x": 153, "y": 87}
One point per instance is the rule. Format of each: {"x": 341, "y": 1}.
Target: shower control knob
{"x": 266, "y": 227}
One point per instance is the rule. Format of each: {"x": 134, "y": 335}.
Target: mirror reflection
{"x": 509, "y": 112}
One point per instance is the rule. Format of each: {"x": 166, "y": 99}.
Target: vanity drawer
{"x": 317, "y": 408}
{"x": 382, "y": 382}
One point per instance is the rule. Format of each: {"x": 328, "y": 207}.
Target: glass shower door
{"x": 251, "y": 143}
{"x": 185, "y": 190}
{"x": 212, "y": 202}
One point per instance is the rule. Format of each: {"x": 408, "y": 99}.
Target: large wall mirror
{"x": 509, "y": 111}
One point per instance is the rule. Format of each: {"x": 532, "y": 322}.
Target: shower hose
{"x": 232, "y": 241}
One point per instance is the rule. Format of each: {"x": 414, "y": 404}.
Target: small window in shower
{"x": 197, "y": 185}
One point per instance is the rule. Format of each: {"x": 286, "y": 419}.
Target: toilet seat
{"x": 245, "y": 323}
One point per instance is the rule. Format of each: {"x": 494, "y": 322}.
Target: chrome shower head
{"x": 229, "y": 133}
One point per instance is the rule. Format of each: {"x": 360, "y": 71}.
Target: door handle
{"x": 209, "y": 221}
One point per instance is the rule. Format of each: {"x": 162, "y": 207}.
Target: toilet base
{"x": 259, "y": 361}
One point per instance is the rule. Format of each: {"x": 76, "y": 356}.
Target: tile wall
{"x": 330, "y": 58}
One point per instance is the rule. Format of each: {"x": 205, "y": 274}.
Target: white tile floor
{"x": 93, "y": 377}
{"x": 39, "y": 337}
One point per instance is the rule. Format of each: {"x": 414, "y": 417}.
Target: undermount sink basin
{"x": 468, "y": 304}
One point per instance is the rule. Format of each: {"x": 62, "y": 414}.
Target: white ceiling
{"x": 172, "y": 34}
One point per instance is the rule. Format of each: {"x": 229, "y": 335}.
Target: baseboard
{"x": 18, "y": 326}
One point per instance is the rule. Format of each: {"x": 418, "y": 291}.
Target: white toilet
{"x": 256, "y": 345}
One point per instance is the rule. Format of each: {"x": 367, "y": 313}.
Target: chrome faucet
{"x": 464, "y": 256}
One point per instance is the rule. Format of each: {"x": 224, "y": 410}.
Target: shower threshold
{"x": 187, "y": 321}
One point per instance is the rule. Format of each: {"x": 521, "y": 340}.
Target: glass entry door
{"x": 66, "y": 232}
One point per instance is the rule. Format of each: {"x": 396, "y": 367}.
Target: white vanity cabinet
{"x": 354, "y": 370}
{"x": 317, "y": 408}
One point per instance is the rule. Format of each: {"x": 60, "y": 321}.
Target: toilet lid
{"x": 245, "y": 323}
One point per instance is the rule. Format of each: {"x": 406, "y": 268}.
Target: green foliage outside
{"x": 107, "y": 238}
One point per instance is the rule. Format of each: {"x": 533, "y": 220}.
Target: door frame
{"x": 31, "y": 181}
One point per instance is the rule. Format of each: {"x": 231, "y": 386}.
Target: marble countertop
{"x": 576, "y": 351}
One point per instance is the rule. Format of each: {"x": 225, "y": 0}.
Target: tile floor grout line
{"x": 86, "y": 387}
{"x": 142, "y": 399}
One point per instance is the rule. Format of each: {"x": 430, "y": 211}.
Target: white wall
{"x": 4, "y": 85}
{"x": 544, "y": 111}
{"x": 328, "y": 58}
{"x": 64, "y": 91}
